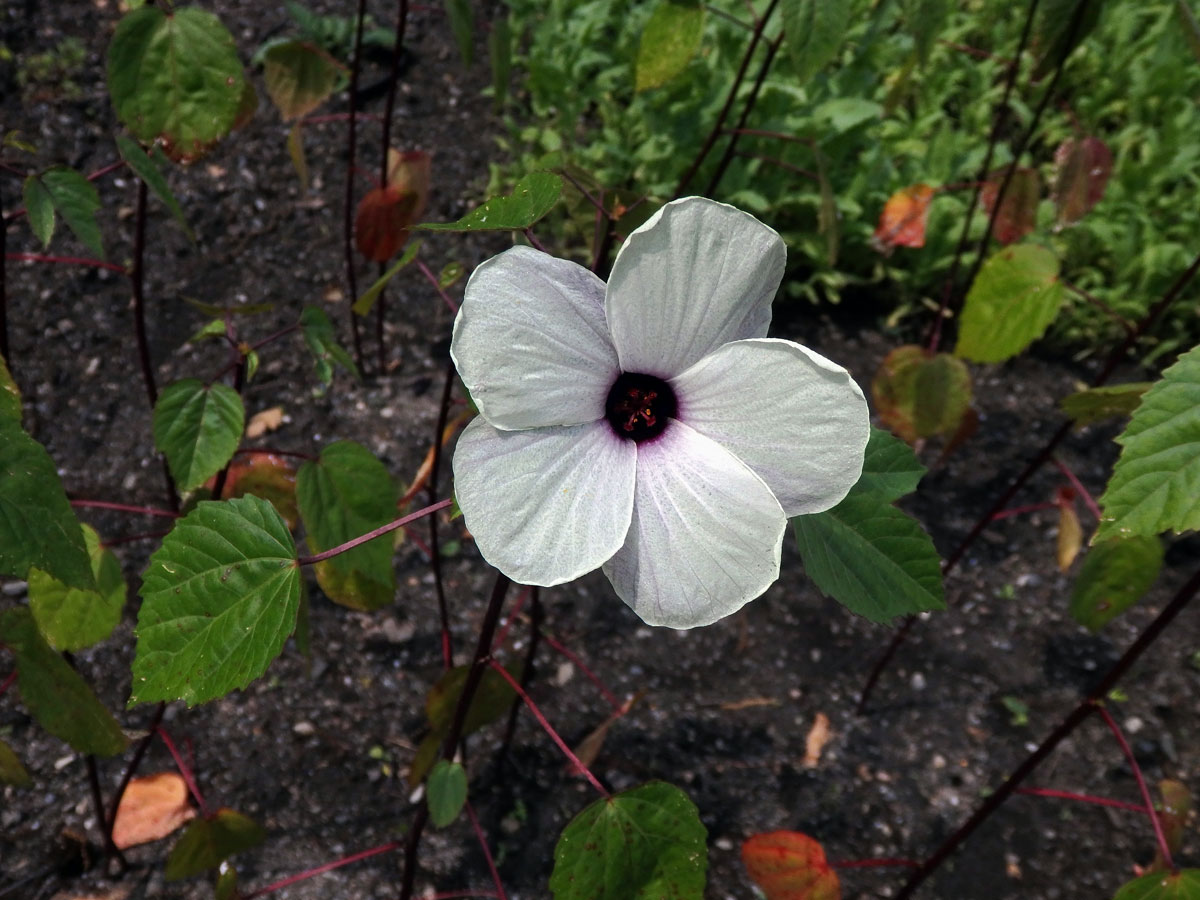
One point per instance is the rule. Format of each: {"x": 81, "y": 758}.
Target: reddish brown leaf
{"x": 920, "y": 394}
{"x": 589, "y": 748}
{"x": 267, "y": 476}
{"x": 902, "y": 222}
{"x": 1018, "y": 211}
{"x": 382, "y": 224}
{"x": 151, "y": 808}
{"x": 1083, "y": 167}
{"x": 411, "y": 173}
{"x": 788, "y": 865}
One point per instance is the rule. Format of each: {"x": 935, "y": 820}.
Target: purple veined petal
{"x": 706, "y": 533}
{"x": 791, "y": 415}
{"x": 545, "y": 505}
{"x": 531, "y": 343}
{"x": 697, "y": 275}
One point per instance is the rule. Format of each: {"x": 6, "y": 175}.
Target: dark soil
{"x": 317, "y": 750}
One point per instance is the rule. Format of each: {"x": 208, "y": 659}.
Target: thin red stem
{"x": 487, "y": 853}
{"x": 588, "y": 673}
{"x": 1021, "y": 510}
{"x": 1088, "y": 500}
{"x": 373, "y": 533}
{"x": 549, "y": 729}
{"x": 1081, "y": 798}
{"x": 124, "y": 507}
{"x": 432, "y": 279}
{"x": 1163, "y": 847}
{"x": 513, "y": 615}
{"x": 66, "y": 260}
{"x": 532, "y": 238}
{"x": 327, "y": 867}
{"x": 184, "y": 770}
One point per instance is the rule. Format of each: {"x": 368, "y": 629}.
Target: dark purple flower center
{"x": 640, "y": 406}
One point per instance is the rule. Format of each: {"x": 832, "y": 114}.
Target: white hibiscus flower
{"x": 648, "y": 427}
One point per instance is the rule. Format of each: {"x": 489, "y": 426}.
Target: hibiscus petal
{"x": 531, "y": 343}
{"x": 706, "y": 533}
{"x": 545, "y": 505}
{"x": 697, "y": 275}
{"x": 791, "y": 415}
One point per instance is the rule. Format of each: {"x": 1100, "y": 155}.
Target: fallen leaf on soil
{"x": 262, "y": 422}
{"x": 589, "y": 747}
{"x": 818, "y": 736}
{"x": 748, "y": 703}
{"x": 116, "y": 892}
{"x": 151, "y": 808}
{"x": 788, "y": 865}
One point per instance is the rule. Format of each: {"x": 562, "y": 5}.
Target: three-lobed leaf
{"x": 219, "y": 599}
{"x": 1011, "y": 303}
{"x": 533, "y": 197}
{"x": 37, "y": 524}
{"x": 642, "y": 844}
{"x": 72, "y": 618}
{"x": 175, "y": 77}
{"x": 208, "y": 842}
{"x": 1155, "y": 485}
{"x": 53, "y": 692}
{"x": 197, "y": 427}
{"x": 345, "y": 493}
{"x": 669, "y": 40}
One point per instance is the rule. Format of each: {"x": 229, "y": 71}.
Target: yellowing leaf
{"x": 264, "y": 421}
{"x": 902, "y": 222}
{"x": 788, "y": 865}
{"x": 152, "y": 807}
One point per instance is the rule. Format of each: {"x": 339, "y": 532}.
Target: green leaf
{"x": 669, "y": 41}
{"x": 872, "y": 558}
{"x": 219, "y": 599}
{"x": 346, "y": 493}
{"x": 1098, "y": 404}
{"x": 920, "y": 394}
{"x": 814, "y": 31}
{"x": 500, "y": 55}
{"x": 1155, "y": 485}
{"x": 1189, "y": 25}
{"x": 318, "y": 335}
{"x": 70, "y": 618}
{"x": 533, "y": 197}
{"x": 176, "y": 78}
{"x": 492, "y": 700}
{"x": 11, "y": 770}
{"x": 890, "y": 468}
{"x": 54, "y": 693}
{"x": 37, "y": 525}
{"x": 647, "y": 843}
{"x": 39, "y": 207}
{"x": 10, "y": 395}
{"x": 363, "y": 304}
{"x": 924, "y": 19}
{"x": 77, "y": 201}
{"x": 1012, "y": 302}
{"x": 462, "y": 23}
{"x": 446, "y": 791}
{"x": 214, "y": 329}
{"x": 227, "y": 885}
{"x": 1183, "y": 885}
{"x": 208, "y": 842}
{"x": 1059, "y": 32}
{"x": 146, "y": 169}
{"x": 300, "y": 77}
{"x": 197, "y": 427}
{"x": 1115, "y": 575}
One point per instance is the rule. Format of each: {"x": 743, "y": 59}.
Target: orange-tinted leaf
{"x": 426, "y": 468}
{"x": 267, "y": 476}
{"x": 589, "y": 748}
{"x": 788, "y": 865}
{"x": 1018, "y": 211}
{"x": 902, "y": 223}
{"x": 920, "y": 394}
{"x": 151, "y": 808}
{"x": 382, "y": 224}
{"x": 1070, "y": 535}
{"x": 1083, "y": 168}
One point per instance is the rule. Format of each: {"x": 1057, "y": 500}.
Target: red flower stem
{"x": 432, "y": 279}
{"x": 373, "y": 533}
{"x": 122, "y": 507}
{"x": 435, "y": 554}
{"x": 734, "y": 89}
{"x": 66, "y": 260}
{"x": 731, "y": 147}
{"x": 588, "y": 673}
{"x": 883, "y": 862}
{"x": 348, "y": 198}
{"x": 1068, "y": 725}
{"x": 1088, "y": 500}
{"x": 1163, "y": 847}
{"x": 327, "y": 867}
{"x": 184, "y": 771}
{"x": 1081, "y": 798}
{"x": 549, "y": 729}
{"x": 483, "y": 651}
{"x": 1021, "y": 510}
{"x": 487, "y": 854}
{"x": 1000, "y": 119}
